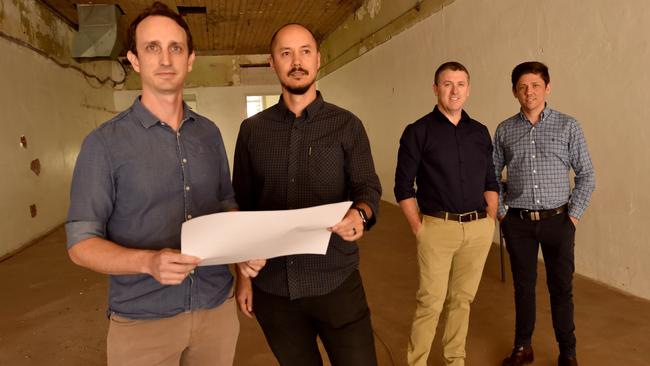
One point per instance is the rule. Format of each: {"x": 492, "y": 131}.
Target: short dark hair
{"x": 275, "y": 34}
{"x": 158, "y": 9}
{"x": 450, "y": 65}
{"x": 530, "y": 67}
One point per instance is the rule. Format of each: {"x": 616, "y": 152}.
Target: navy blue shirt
{"x": 451, "y": 164}
{"x": 135, "y": 182}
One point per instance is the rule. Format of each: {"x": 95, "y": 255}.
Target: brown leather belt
{"x": 464, "y": 217}
{"x": 536, "y": 215}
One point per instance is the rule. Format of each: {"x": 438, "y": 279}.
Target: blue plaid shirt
{"x": 538, "y": 158}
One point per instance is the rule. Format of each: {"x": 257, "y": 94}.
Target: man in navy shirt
{"x": 449, "y": 156}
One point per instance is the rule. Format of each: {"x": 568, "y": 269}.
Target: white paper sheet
{"x": 231, "y": 237}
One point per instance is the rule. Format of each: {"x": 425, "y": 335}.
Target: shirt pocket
{"x": 554, "y": 147}
{"x": 326, "y": 170}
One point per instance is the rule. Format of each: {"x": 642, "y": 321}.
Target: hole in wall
{"x": 23, "y": 141}
{"x": 35, "y": 166}
{"x": 32, "y": 210}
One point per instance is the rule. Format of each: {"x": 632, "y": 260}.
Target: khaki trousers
{"x": 451, "y": 256}
{"x": 197, "y": 338}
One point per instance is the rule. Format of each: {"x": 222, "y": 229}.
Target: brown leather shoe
{"x": 519, "y": 356}
{"x": 567, "y": 361}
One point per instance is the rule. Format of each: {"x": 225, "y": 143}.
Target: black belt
{"x": 464, "y": 217}
{"x": 536, "y": 215}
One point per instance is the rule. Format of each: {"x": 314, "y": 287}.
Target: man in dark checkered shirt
{"x": 539, "y": 146}
{"x": 299, "y": 153}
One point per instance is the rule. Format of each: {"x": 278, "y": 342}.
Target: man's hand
{"x": 574, "y": 221}
{"x": 416, "y": 229}
{"x": 351, "y": 227}
{"x": 244, "y": 295}
{"x": 251, "y": 268}
{"x": 170, "y": 267}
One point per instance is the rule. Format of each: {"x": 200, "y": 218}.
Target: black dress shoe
{"x": 567, "y": 361}
{"x": 519, "y": 356}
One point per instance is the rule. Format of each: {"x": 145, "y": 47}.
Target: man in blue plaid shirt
{"x": 539, "y": 146}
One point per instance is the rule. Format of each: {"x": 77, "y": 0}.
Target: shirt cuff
{"x": 575, "y": 211}
{"x": 229, "y": 204}
{"x": 77, "y": 231}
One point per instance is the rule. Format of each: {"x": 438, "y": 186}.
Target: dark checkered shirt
{"x": 285, "y": 163}
{"x": 538, "y": 159}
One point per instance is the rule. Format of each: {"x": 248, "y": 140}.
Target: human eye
{"x": 176, "y": 48}
{"x": 152, "y": 47}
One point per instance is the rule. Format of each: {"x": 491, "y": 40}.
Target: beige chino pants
{"x": 197, "y": 338}
{"x": 451, "y": 256}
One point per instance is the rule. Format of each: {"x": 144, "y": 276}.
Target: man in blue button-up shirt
{"x": 138, "y": 177}
{"x": 539, "y": 146}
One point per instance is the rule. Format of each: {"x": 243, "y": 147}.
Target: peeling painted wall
{"x": 598, "y": 57}
{"x": 374, "y": 23}
{"x": 53, "y": 108}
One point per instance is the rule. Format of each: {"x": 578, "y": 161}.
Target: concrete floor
{"x": 52, "y": 312}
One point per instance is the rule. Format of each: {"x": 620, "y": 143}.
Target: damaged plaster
{"x": 374, "y": 23}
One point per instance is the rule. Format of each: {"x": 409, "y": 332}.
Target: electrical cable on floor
{"x": 390, "y": 353}
{"x": 86, "y": 74}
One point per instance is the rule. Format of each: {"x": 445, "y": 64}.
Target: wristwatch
{"x": 367, "y": 223}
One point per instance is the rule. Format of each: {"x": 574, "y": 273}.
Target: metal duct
{"x": 98, "y": 33}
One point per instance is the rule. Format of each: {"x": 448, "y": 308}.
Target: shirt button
{"x": 178, "y": 134}
{"x": 534, "y": 171}
{"x": 532, "y": 142}
{"x": 537, "y": 201}
{"x": 163, "y": 124}
{"x": 535, "y": 186}
{"x": 293, "y": 180}
{"x": 184, "y": 161}
{"x": 189, "y": 217}
{"x": 187, "y": 188}
{"x": 533, "y": 156}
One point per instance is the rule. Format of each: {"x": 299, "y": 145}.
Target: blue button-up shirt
{"x": 135, "y": 182}
{"x": 538, "y": 159}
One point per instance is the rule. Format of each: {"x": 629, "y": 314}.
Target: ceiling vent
{"x": 98, "y": 33}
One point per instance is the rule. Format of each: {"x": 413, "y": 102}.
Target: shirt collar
{"x": 148, "y": 119}
{"x": 309, "y": 111}
{"x": 464, "y": 117}
{"x": 545, "y": 113}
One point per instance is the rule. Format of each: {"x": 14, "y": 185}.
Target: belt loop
{"x": 446, "y": 215}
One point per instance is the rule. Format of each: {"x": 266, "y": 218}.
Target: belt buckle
{"x": 460, "y": 217}
{"x": 531, "y": 215}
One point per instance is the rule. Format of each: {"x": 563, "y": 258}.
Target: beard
{"x": 300, "y": 89}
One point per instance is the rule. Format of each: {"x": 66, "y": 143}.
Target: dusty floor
{"x": 52, "y": 312}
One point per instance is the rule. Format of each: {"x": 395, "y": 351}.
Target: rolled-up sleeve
{"x": 92, "y": 192}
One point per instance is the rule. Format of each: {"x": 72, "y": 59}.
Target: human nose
{"x": 165, "y": 57}
{"x": 295, "y": 61}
